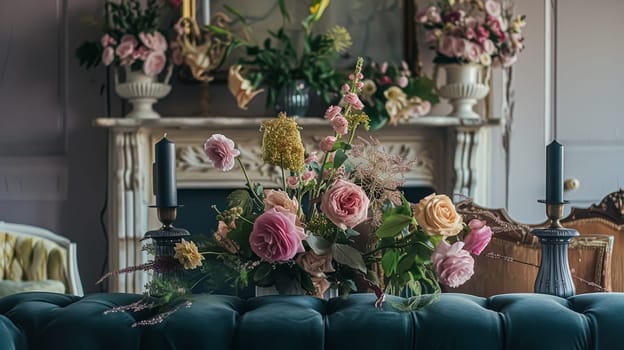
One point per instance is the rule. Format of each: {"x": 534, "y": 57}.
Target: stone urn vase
{"x": 142, "y": 91}
{"x": 465, "y": 85}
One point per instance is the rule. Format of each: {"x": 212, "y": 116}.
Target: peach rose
{"x": 315, "y": 265}
{"x": 437, "y": 216}
{"x": 279, "y": 200}
{"x": 345, "y": 204}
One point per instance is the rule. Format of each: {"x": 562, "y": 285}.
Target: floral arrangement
{"x": 277, "y": 62}
{"x": 133, "y": 39}
{"x": 338, "y": 221}
{"x": 392, "y": 95}
{"x": 474, "y": 31}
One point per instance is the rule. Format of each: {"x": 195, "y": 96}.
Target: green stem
{"x": 249, "y": 184}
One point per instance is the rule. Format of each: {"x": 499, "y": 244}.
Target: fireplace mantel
{"x": 444, "y": 151}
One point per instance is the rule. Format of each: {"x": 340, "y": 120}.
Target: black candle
{"x": 554, "y": 173}
{"x": 165, "y": 174}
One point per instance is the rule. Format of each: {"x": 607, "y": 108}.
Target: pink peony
{"x": 332, "y": 112}
{"x": 460, "y": 47}
{"x": 155, "y": 41}
{"x": 478, "y": 238}
{"x": 220, "y": 150}
{"x": 453, "y": 264}
{"x": 125, "y": 49}
{"x": 446, "y": 46}
{"x": 107, "y": 40}
{"x": 473, "y": 52}
{"x": 354, "y": 101}
{"x": 340, "y": 125}
{"x": 345, "y": 204}
{"x": 108, "y": 55}
{"x": 327, "y": 143}
{"x": 154, "y": 63}
{"x": 276, "y": 237}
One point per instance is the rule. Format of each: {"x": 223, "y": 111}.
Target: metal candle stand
{"x": 165, "y": 239}
{"x": 554, "y": 275}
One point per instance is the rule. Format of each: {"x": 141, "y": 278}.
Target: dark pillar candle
{"x": 554, "y": 172}
{"x": 165, "y": 174}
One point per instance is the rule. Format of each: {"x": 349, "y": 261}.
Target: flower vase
{"x": 465, "y": 85}
{"x": 293, "y": 99}
{"x": 142, "y": 91}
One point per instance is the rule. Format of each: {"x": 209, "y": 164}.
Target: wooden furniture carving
{"x": 606, "y": 217}
{"x": 443, "y": 150}
{"x": 509, "y": 263}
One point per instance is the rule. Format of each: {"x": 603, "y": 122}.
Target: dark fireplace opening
{"x": 198, "y": 216}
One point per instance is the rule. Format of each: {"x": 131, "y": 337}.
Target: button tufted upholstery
{"x": 457, "y": 321}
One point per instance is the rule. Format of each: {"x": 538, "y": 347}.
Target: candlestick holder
{"x": 164, "y": 240}
{"x": 554, "y": 275}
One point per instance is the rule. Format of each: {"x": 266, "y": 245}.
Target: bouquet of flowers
{"x": 133, "y": 38}
{"x": 339, "y": 220}
{"x": 474, "y": 31}
{"x": 392, "y": 95}
{"x": 278, "y": 62}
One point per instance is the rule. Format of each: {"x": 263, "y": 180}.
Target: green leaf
{"x": 339, "y": 157}
{"x": 406, "y": 262}
{"x": 262, "y": 272}
{"x": 393, "y": 225}
{"x": 319, "y": 245}
{"x": 235, "y": 12}
{"x": 341, "y": 145}
{"x": 389, "y": 262}
{"x": 347, "y": 255}
{"x": 240, "y": 198}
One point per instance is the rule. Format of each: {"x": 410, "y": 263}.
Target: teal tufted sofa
{"x": 38, "y": 321}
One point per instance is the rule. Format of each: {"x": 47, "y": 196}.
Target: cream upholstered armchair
{"x": 35, "y": 259}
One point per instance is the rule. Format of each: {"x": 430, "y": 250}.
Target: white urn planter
{"x": 465, "y": 85}
{"x": 142, "y": 91}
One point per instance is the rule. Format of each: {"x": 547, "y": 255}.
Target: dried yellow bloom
{"x": 281, "y": 143}
{"x": 188, "y": 255}
{"x": 341, "y": 39}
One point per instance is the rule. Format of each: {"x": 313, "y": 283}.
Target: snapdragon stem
{"x": 249, "y": 184}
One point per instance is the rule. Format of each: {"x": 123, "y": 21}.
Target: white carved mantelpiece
{"x": 442, "y": 149}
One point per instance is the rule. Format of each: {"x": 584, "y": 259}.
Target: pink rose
{"x": 308, "y": 176}
{"x": 315, "y": 265}
{"x": 340, "y": 125}
{"x": 141, "y": 53}
{"x": 276, "y": 237}
{"x": 489, "y": 47}
{"x": 478, "y": 238}
{"x": 108, "y": 55}
{"x": 126, "y": 47}
{"x": 280, "y": 201}
{"x": 446, "y": 46}
{"x": 493, "y": 8}
{"x": 482, "y": 34}
{"x": 459, "y": 47}
{"x": 470, "y": 33}
{"x": 292, "y": 182}
{"x": 220, "y": 150}
{"x": 345, "y": 204}
{"x": 154, "y": 63}
{"x": 155, "y": 41}
{"x": 107, "y": 40}
{"x": 403, "y": 81}
{"x": 332, "y": 112}
{"x": 354, "y": 101}
{"x": 327, "y": 144}
{"x": 473, "y": 52}
{"x": 453, "y": 264}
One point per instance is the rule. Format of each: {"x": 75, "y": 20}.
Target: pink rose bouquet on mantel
{"x": 133, "y": 38}
{"x": 337, "y": 220}
{"x": 474, "y": 31}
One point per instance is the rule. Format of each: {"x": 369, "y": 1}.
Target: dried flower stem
{"x": 143, "y": 267}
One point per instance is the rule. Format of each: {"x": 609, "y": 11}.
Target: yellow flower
{"x": 281, "y": 143}
{"x": 340, "y": 37}
{"x": 396, "y": 100}
{"x": 317, "y": 8}
{"x": 188, "y": 255}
